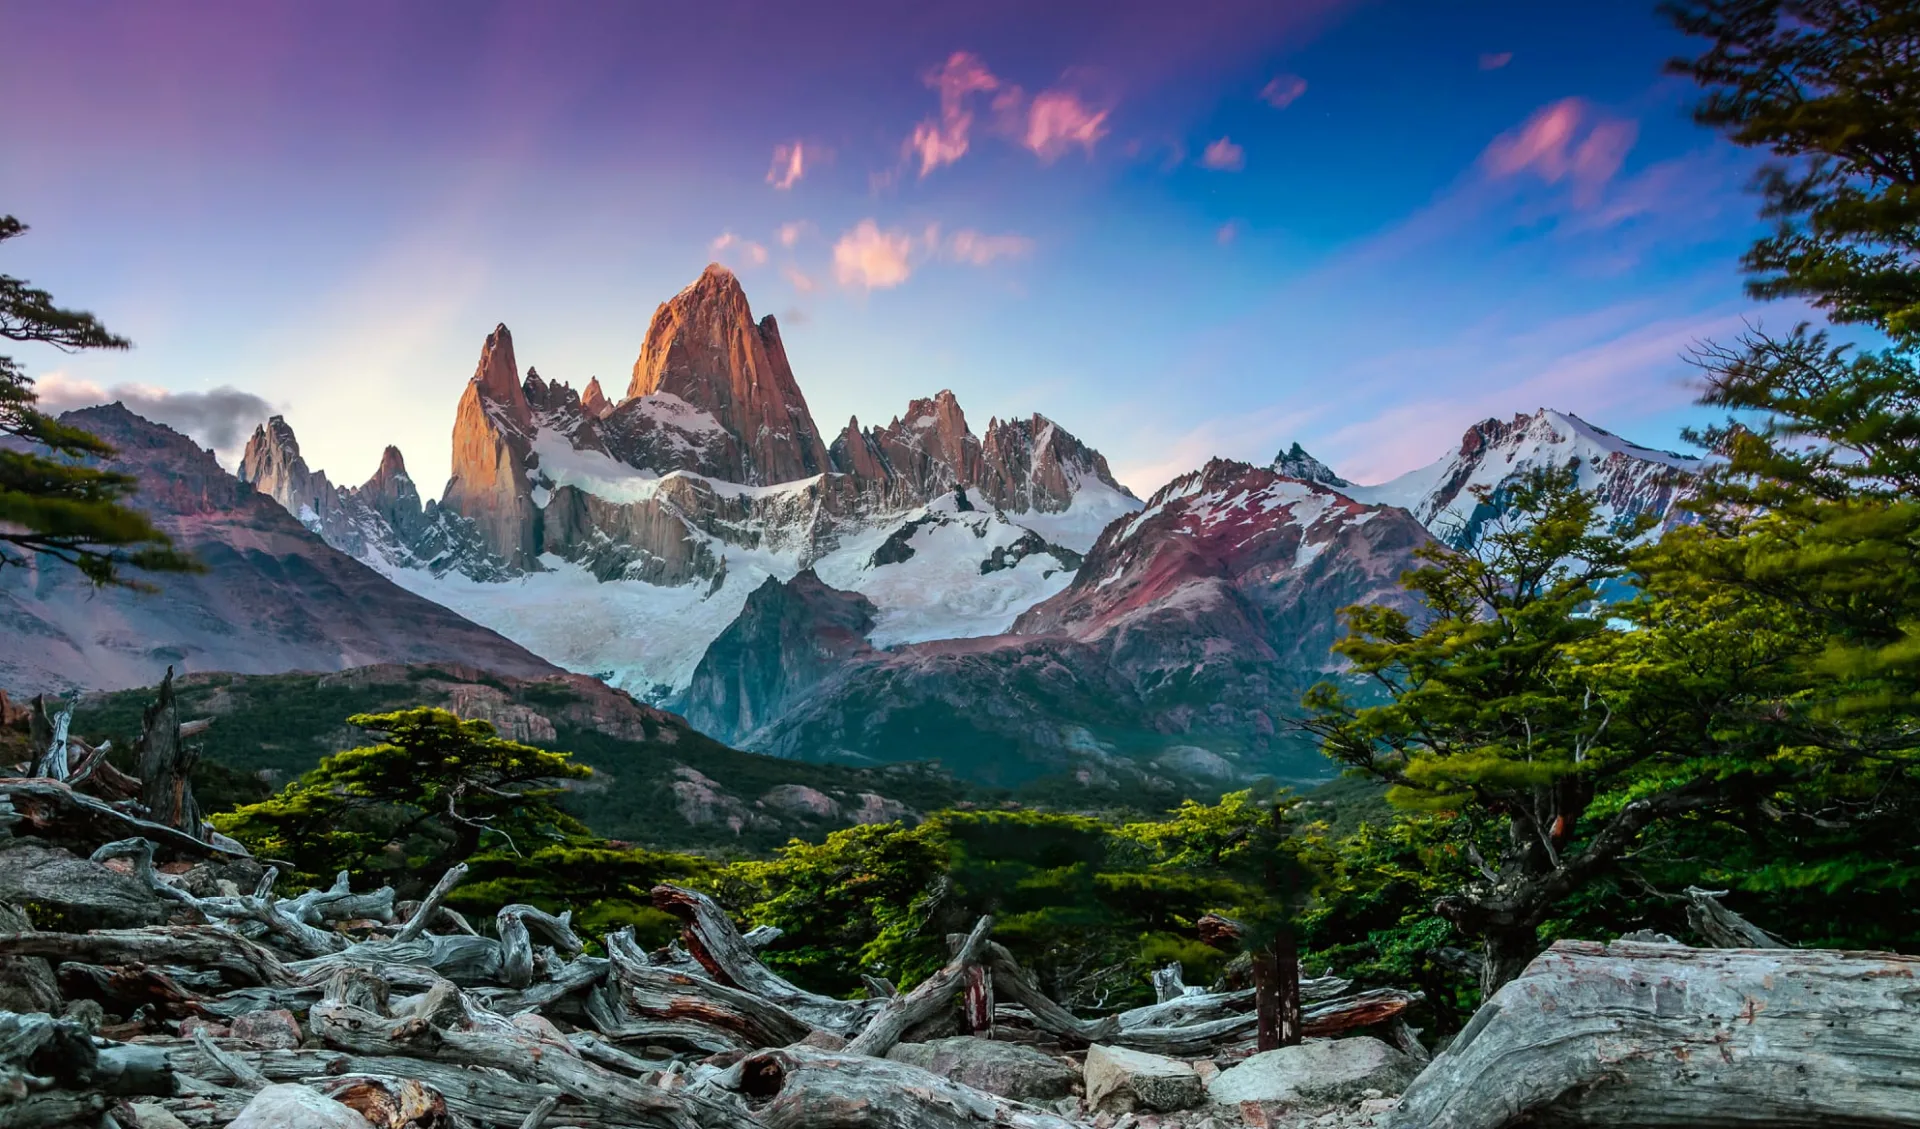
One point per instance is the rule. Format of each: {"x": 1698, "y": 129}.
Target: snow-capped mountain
{"x": 620, "y": 539}
{"x": 1493, "y": 454}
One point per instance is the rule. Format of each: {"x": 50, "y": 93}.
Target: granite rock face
{"x": 492, "y": 448}
{"x": 704, "y": 349}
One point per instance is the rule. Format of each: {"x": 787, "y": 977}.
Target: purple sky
{"x": 1179, "y": 230}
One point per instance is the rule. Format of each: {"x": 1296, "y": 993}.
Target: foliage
{"x": 52, "y": 504}
{"x": 421, "y": 800}
{"x": 1827, "y": 87}
{"x": 606, "y": 884}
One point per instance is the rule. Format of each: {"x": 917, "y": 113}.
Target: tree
{"x": 1828, "y": 88}
{"x": 430, "y": 795}
{"x": 1553, "y": 730}
{"x": 51, "y": 504}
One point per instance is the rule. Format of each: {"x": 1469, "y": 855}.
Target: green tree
{"x": 1525, "y": 709}
{"x": 52, "y": 504}
{"x": 431, "y": 794}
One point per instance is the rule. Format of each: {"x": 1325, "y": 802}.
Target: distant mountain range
{"x": 889, "y": 593}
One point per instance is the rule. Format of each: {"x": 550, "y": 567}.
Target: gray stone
{"x": 150, "y": 1115}
{"x": 61, "y": 892}
{"x": 1122, "y": 1081}
{"x": 289, "y": 1106}
{"x": 1320, "y": 1071}
{"x": 1007, "y": 1069}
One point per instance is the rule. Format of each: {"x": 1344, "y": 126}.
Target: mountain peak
{"x": 593, "y": 401}
{"x": 704, "y": 347}
{"x": 1295, "y": 462}
{"x": 497, "y": 376}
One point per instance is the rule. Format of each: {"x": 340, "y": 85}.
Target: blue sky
{"x": 1180, "y": 234}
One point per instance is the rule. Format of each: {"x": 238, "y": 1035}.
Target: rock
{"x": 150, "y": 1115}
{"x": 704, "y": 350}
{"x": 87, "y": 1013}
{"x": 290, "y": 1106}
{"x": 61, "y": 892}
{"x": 1034, "y": 464}
{"x": 824, "y": 1039}
{"x": 26, "y": 983}
{"x": 1121, "y": 1081}
{"x": 273, "y": 1030}
{"x": 492, "y": 447}
{"x": 1319, "y": 1071}
{"x": 194, "y": 1023}
{"x": 1007, "y": 1069}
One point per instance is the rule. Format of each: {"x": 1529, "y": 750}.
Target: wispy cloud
{"x": 970, "y": 246}
{"x": 868, "y": 258}
{"x": 789, "y": 165}
{"x": 1227, "y": 233}
{"x": 1282, "y": 91}
{"x": 944, "y": 139}
{"x": 1057, "y": 120}
{"x": 1493, "y": 62}
{"x": 790, "y": 233}
{"x": 800, "y": 280}
{"x": 1568, "y": 140}
{"x": 220, "y": 419}
{"x": 1224, "y": 156}
{"x": 731, "y": 248}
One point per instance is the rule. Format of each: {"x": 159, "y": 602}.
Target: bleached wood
{"x": 1669, "y": 1037}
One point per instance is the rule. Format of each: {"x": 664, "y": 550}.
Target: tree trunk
{"x": 1505, "y": 955}
{"x": 1266, "y": 998}
{"x": 165, "y": 762}
{"x": 1668, "y": 1037}
{"x": 1287, "y": 990}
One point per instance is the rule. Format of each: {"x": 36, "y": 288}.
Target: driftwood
{"x": 1665, "y": 1036}
{"x": 1015, "y": 983}
{"x": 929, "y": 996}
{"x": 1723, "y": 928}
{"x": 241, "y": 961}
{"x": 642, "y": 1002}
{"x": 812, "y": 1089}
{"x": 712, "y": 940}
{"x": 52, "y": 810}
{"x": 53, "y": 1074}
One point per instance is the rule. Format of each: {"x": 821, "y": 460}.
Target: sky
{"x": 1179, "y": 230}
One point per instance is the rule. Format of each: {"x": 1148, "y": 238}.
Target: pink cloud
{"x": 790, "y": 233}
{"x": 943, "y": 140}
{"x": 970, "y": 246}
{"x": 1493, "y": 62}
{"x": 1281, "y": 91}
{"x": 789, "y": 164}
{"x": 1223, "y": 155}
{"x": 1568, "y": 140}
{"x": 871, "y": 259}
{"x": 1228, "y": 232}
{"x": 1057, "y": 120}
{"x": 801, "y": 281}
{"x": 731, "y": 247}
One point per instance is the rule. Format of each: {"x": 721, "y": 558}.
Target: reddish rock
{"x": 274, "y": 1029}
{"x": 593, "y": 401}
{"x": 704, "y": 348}
{"x": 492, "y": 442}
{"x": 194, "y": 1023}
{"x": 930, "y": 448}
{"x": 1034, "y": 464}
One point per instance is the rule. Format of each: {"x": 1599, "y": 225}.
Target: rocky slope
{"x": 621, "y": 539}
{"x": 1176, "y": 652}
{"x": 274, "y": 595}
{"x": 1630, "y": 479}
{"x": 656, "y": 781}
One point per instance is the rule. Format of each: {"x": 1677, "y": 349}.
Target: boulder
{"x": 149, "y": 1115}
{"x": 1007, "y": 1069}
{"x": 273, "y": 1029}
{"x": 1124, "y": 1081}
{"x": 290, "y": 1106}
{"x": 1319, "y": 1071}
{"x": 61, "y": 892}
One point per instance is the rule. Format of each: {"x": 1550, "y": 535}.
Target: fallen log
{"x": 52, "y": 810}
{"x": 928, "y": 997}
{"x": 482, "y": 1039}
{"x": 1723, "y": 928}
{"x": 243, "y": 962}
{"x": 1668, "y": 1037}
{"x": 643, "y": 1002}
{"x": 1201, "y": 1006}
{"x": 1018, "y": 985}
{"x": 812, "y": 1089}
{"x": 713, "y": 941}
